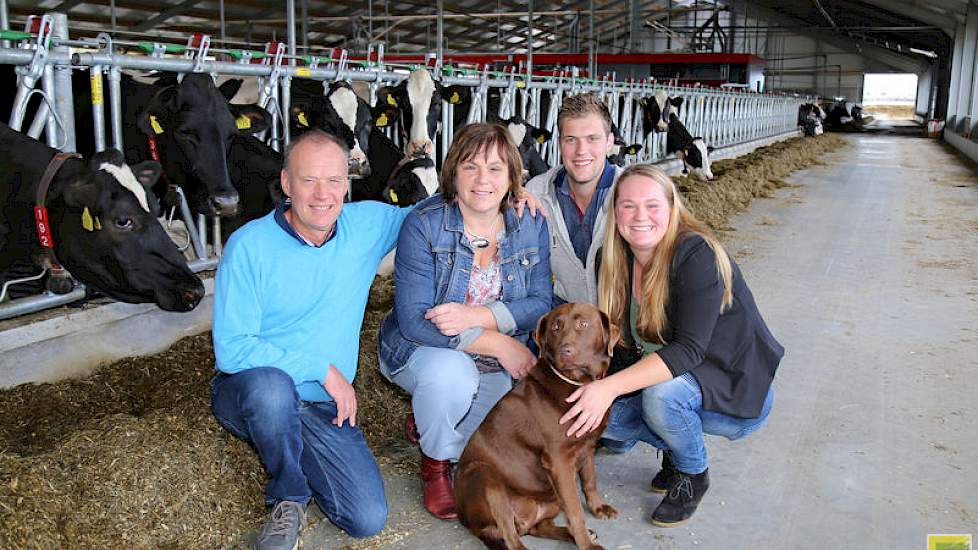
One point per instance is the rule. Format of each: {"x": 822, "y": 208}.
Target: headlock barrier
{"x": 44, "y": 57}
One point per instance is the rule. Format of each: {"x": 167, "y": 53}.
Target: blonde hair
{"x": 481, "y": 138}
{"x": 613, "y": 287}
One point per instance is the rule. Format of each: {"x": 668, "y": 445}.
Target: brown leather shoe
{"x": 411, "y": 429}
{"x": 439, "y": 494}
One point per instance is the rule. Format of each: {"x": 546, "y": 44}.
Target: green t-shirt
{"x": 646, "y": 347}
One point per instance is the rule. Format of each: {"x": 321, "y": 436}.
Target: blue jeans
{"x": 305, "y": 454}
{"x": 670, "y": 416}
{"x": 449, "y": 396}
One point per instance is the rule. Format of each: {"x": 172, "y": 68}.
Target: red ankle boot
{"x": 439, "y": 494}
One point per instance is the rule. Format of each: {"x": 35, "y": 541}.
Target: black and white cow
{"x": 339, "y": 112}
{"x": 190, "y": 124}
{"x": 656, "y": 111}
{"x": 693, "y": 151}
{"x": 413, "y": 180}
{"x": 810, "y": 117}
{"x": 526, "y": 136}
{"x": 102, "y": 221}
{"x": 619, "y": 150}
{"x": 417, "y": 101}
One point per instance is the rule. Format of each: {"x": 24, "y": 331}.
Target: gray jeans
{"x": 450, "y": 397}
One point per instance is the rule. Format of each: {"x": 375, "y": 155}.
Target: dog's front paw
{"x": 604, "y": 511}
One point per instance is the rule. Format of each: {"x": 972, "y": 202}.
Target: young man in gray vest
{"x": 575, "y": 196}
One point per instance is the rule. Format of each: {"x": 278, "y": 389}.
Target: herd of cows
{"x": 100, "y": 217}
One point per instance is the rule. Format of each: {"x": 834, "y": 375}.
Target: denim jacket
{"x": 433, "y": 265}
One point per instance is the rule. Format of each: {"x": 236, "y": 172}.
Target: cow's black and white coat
{"x": 102, "y": 220}
{"x": 693, "y": 151}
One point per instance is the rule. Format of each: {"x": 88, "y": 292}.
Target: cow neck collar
{"x": 40, "y": 210}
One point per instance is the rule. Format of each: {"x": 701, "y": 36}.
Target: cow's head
{"x": 697, "y": 156}
{"x": 417, "y": 101}
{"x": 192, "y": 124}
{"x": 619, "y": 150}
{"x": 526, "y": 137}
{"x": 341, "y": 113}
{"x": 412, "y": 181}
{"x": 109, "y": 238}
{"x": 656, "y": 110}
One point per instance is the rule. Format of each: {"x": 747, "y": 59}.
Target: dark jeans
{"x": 305, "y": 454}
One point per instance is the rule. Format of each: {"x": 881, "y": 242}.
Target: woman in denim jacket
{"x": 472, "y": 280}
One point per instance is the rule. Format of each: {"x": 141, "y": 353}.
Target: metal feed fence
{"x": 44, "y": 57}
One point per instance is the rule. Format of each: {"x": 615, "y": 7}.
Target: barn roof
{"x": 889, "y": 28}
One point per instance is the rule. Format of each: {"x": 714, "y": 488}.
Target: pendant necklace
{"x": 478, "y": 241}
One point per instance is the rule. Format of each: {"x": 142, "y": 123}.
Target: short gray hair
{"x": 317, "y": 136}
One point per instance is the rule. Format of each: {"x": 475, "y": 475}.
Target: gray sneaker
{"x": 281, "y": 531}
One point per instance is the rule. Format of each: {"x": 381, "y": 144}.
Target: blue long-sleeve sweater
{"x": 279, "y": 302}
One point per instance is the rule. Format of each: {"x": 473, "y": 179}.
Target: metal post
{"x": 290, "y": 27}
{"x": 115, "y": 101}
{"x": 51, "y": 126}
{"x": 529, "y": 39}
{"x": 112, "y": 13}
{"x": 98, "y": 107}
{"x": 220, "y": 5}
{"x": 304, "y": 15}
{"x": 592, "y": 61}
{"x": 441, "y": 32}
{"x": 4, "y": 22}
{"x": 64, "y": 99}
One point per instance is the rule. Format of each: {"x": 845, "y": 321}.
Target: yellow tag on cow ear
{"x": 541, "y": 139}
{"x": 98, "y": 224}
{"x": 455, "y": 99}
{"x": 393, "y": 197}
{"x": 155, "y": 124}
{"x": 242, "y": 122}
{"x": 643, "y": 102}
{"x": 302, "y": 119}
{"x": 391, "y": 101}
{"x": 87, "y": 222}
{"x": 381, "y": 121}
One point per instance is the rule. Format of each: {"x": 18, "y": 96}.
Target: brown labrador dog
{"x": 519, "y": 469}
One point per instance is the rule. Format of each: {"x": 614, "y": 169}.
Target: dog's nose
{"x": 565, "y": 350}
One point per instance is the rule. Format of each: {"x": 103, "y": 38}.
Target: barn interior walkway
{"x": 865, "y": 269}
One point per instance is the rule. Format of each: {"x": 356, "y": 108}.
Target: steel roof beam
{"x": 929, "y": 17}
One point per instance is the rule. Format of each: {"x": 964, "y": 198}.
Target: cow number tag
{"x": 88, "y": 222}
{"x": 381, "y": 121}
{"x": 155, "y": 124}
{"x": 302, "y": 119}
{"x": 391, "y": 101}
{"x": 43, "y": 227}
{"x": 242, "y": 122}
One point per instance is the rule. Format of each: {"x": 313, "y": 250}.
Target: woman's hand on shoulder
{"x": 452, "y": 318}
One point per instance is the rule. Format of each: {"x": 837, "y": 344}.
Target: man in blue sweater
{"x": 289, "y": 300}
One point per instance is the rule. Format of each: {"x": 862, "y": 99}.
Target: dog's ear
{"x": 540, "y": 335}
{"x": 612, "y": 332}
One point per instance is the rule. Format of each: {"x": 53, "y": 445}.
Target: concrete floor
{"x": 865, "y": 269}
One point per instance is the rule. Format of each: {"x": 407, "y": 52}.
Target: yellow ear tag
{"x": 642, "y": 102}
{"x": 242, "y": 122}
{"x": 391, "y": 100}
{"x": 87, "y": 220}
{"x": 381, "y": 121}
{"x": 98, "y": 224}
{"x": 455, "y": 99}
{"x": 393, "y": 197}
{"x": 541, "y": 139}
{"x": 302, "y": 119}
{"x": 155, "y": 124}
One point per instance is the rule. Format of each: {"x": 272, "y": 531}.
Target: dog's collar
{"x": 564, "y": 378}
